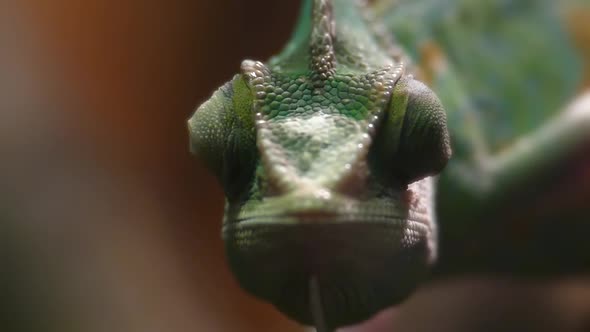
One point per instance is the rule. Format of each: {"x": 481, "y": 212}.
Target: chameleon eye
{"x": 417, "y": 124}
{"x": 223, "y": 136}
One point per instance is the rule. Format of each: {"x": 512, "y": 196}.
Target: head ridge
{"x": 323, "y": 34}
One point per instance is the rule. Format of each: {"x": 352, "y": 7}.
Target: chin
{"x": 361, "y": 266}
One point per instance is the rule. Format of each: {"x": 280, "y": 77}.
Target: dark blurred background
{"x": 108, "y": 224}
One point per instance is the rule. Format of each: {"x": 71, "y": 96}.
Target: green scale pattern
{"x": 301, "y": 119}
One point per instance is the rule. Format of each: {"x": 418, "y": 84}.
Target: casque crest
{"x": 323, "y": 59}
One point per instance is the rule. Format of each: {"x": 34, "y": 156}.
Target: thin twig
{"x": 315, "y": 303}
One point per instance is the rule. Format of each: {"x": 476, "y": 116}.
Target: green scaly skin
{"x": 327, "y": 155}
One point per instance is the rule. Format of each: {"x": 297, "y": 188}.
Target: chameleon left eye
{"x": 414, "y": 141}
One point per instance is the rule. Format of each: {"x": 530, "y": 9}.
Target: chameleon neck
{"x": 335, "y": 37}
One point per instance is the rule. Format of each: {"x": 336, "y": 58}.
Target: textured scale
{"x": 295, "y": 117}
{"x": 323, "y": 59}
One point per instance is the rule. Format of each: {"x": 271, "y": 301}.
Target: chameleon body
{"x": 327, "y": 154}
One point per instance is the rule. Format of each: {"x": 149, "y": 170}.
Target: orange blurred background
{"x": 124, "y": 223}
{"x": 110, "y": 224}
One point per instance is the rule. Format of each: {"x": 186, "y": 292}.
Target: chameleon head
{"x": 327, "y": 172}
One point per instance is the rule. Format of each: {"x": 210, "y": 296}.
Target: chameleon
{"x": 330, "y": 155}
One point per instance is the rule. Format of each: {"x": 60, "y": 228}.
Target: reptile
{"x": 330, "y": 153}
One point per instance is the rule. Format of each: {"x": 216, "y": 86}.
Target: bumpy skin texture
{"x": 326, "y": 154}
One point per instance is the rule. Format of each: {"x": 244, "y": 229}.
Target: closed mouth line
{"x": 327, "y": 216}
{"x": 347, "y": 218}
{"x": 286, "y": 222}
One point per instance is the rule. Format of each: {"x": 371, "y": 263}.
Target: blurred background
{"x": 108, "y": 224}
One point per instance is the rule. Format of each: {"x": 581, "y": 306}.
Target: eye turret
{"x": 414, "y": 140}
{"x": 223, "y": 136}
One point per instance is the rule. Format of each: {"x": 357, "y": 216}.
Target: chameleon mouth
{"x": 403, "y": 208}
{"x": 304, "y": 211}
{"x": 326, "y": 217}
{"x": 362, "y": 266}
{"x": 366, "y": 255}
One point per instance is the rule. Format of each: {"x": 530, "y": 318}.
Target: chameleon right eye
{"x": 228, "y": 151}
